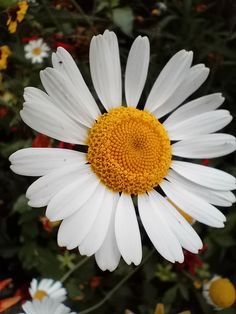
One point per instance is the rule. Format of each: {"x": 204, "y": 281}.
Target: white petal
{"x": 33, "y": 287}
{"x": 193, "y": 205}
{"x": 63, "y": 62}
{"x": 31, "y": 308}
{"x": 193, "y": 108}
{"x": 220, "y": 198}
{"x": 105, "y": 69}
{"x": 158, "y": 230}
{"x": 74, "y": 228}
{"x": 169, "y": 79}
{"x": 136, "y": 70}
{"x": 42, "y": 190}
{"x": 47, "y": 119}
{"x": 40, "y": 161}
{"x": 193, "y": 80}
{"x": 127, "y": 231}
{"x": 204, "y": 123}
{"x": 44, "y": 284}
{"x": 72, "y": 197}
{"x": 184, "y": 232}
{"x": 205, "y": 146}
{"x": 205, "y": 176}
{"x": 95, "y": 238}
{"x": 108, "y": 256}
{"x": 66, "y": 96}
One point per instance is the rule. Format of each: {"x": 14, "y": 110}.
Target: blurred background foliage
{"x": 28, "y": 246}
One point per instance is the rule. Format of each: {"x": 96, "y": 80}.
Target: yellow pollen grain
{"x": 37, "y": 51}
{"x": 39, "y": 295}
{"x": 222, "y": 293}
{"x": 129, "y": 150}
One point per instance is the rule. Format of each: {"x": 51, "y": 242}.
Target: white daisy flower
{"x": 47, "y": 287}
{"x": 45, "y": 306}
{"x": 129, "y": 152}
{"x": 219, "y": 292}
{"x": 36, "y": 50}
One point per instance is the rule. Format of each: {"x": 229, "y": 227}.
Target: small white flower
{"x": 129, "y": 152}
{"x": 45, "y": 306}
{"x": 47, "y": 287}
{"x": 219, "y": 292}
{"x": 36, "y": 50}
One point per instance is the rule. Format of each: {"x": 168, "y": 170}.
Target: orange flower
{"x": 8, "y": 302}
{"x": 16, "y": 15}
{"x": 5, "y": 52}
{"x": 4, "y": 283}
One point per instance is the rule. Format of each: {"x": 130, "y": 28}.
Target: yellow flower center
{"x": 37, "y": 51}
{"x": 39, "y": 295}
{"x": 129, "y": 150}
{"x": 222, "y": 293}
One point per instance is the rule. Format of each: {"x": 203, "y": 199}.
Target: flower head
{"x": 16, "y": 15}
{"x": 219, "y": 292}
{"x": 5, "y": 52}
{"x": 47, "y": 288}
{"x": 45, "y": 306}
{"x": 126, "y": 151}
{"x": 36, "y": 50}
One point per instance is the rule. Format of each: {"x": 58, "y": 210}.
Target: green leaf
{"x": 21, "y": 205}
{"x": 123, "y": 18}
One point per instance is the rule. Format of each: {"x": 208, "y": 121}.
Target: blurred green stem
{"x": 78, "y": 265}
{"x": 109, "y": 294}
{"x": 82, "y": 13}
{"x": 50, "y": 14}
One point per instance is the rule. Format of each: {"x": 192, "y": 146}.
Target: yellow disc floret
{"x": 37, "y": 51}
{"x": 222, "y": 293}
{"x": 39, "y": 295}
{"x": 129, "y": 150}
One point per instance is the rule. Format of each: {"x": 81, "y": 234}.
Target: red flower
{"x": 201, "y": 8}
{"x": 28, "y": 39}
{"x": 41, "y": 141}
{"x": 59, "y": 42}
{"x": 3, "y": 112}
{"x": 95, "y": 282}
{"x": 191, "y": 261}
{"x": 66, "y": 145}
{"x": 68, "y": 47}
{"x": 205, "y": 162}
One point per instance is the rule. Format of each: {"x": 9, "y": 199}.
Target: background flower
{"x": 36, "y": 50}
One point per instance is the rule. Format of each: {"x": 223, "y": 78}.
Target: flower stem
{"x": 82, "y": 13}
{"x": 120, "y": 283}
{"x": 78, "y": 265}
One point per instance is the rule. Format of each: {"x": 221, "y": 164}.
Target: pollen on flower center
{"x": 222, "y": 293}
{"x": 129, "y": 150}
{"x": 37, "y": 51}
{"x": 39, "y": 295}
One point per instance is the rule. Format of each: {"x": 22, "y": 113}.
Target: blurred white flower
{"x": 47, "y": 288}
{"x": 36, "y": 50}
{"x": 45, "y": 306}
